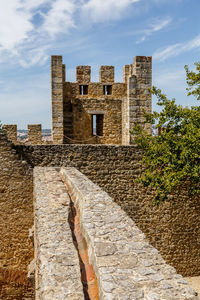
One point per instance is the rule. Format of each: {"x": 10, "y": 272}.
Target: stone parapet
{"x": 57, "y": 263}
{"x": 11, "y": 132}
{"x": 171, "y": 227}
{"x": 107, "y": 74}
{"x": 83, "y": 74}
{"x": 35, "y": 134}
{"x": 126, "y": 265}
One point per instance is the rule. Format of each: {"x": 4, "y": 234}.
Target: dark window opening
{"x": 83, "y": 89}
{"x": 97, "y": 125}
{"x": 70, "y": 107}
{"x": 107, "y": 89}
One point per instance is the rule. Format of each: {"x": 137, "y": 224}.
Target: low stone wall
{"x": 57, "y": 263}
{"x": 16, "y": 217}
{"x": 126, "y": 265}
{"x": 173, "y": 227}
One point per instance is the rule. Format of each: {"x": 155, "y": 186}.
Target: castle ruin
{"x": 74, "y": 223}
{"x": 104, "y": 112}
{"x": 83, "y": 109}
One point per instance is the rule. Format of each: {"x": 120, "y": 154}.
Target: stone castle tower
{"x": 99, "y": 112}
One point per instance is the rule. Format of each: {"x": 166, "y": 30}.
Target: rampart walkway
{"x": 125, "y": 264}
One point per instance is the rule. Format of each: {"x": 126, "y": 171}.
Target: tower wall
{"x": 78, "y": 120}
{"x": 57, "y": 80}
{"x": 139, "y": 82}
{"x": 121, "y": 104}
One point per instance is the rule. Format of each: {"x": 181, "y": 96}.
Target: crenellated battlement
{"x": 34, "y": 135}
{"x": 103, "y": 112}
{"x": 107, "y": 74}
{"x": 122, "y": 103}
{"x": 11, "y": 132}
{"x": 141, "y": 65}
{"x": 83, "y": 74}
{"x": 88, "y": 243}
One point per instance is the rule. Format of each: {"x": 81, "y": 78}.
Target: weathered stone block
{"x": 106, "y": 74}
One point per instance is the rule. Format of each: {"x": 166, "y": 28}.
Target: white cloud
{"x": 99, "y": 11}
{"x": 156, "y": 25}
{"x": 176, "y": 49}
{"x": 22, "y": 37}
{"x": 34, "y": 56}
{"x": 30, "y": 5}
{"x": 15, "y": 24}
{"x": 60, "y": 17}
{"x": 29, "y": 28}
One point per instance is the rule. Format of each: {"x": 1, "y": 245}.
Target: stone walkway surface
{"x": 194, "y": 283}
{"x": 57, "y": 263}
{"x": 127, "y": 267}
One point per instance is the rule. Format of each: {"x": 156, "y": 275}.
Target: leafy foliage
{"x": 193, "y": 81}
{"x": 173, "y": 157}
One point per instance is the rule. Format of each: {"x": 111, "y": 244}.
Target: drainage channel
{"x": 88, "y": 276}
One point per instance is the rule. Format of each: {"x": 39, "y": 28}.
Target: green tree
{"x": 193, "y": 81}
{"x": 173, "y": 157}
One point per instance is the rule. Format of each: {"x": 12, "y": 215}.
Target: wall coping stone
{"x": 126, "y": 265}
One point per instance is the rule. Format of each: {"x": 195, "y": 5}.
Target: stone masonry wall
{"x": 84, "y": 106}
{"x": 120, "y": 105}
{"x": 57, "y": 79}
{"x": 78, "y": 115}
{"x": 139, "y": 80}
{"x": 35, "y": 134}
{"x": 11, "y": 132}
{"x": 173, "y": 227}
{"x": 126, "y": 265}
{"x": 16, "y": 217}
{"x": 83, "y": 74}
{"x": 106, "y": 74}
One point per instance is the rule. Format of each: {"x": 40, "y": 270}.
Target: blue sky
{"x": 90, "y": 32}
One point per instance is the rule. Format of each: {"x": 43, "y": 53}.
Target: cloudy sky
{"x": 90, "y": 32}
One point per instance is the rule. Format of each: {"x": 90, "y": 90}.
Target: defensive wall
{"x": 16, "y": 215}
{"x": 79, "y": 232}
{"x": 116, "y": 261}
{"x": 132, "y": 267}
{"x": 108, "y": 107}
{"x": 173, "y": 227}
{"x": 34, "y": 134}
